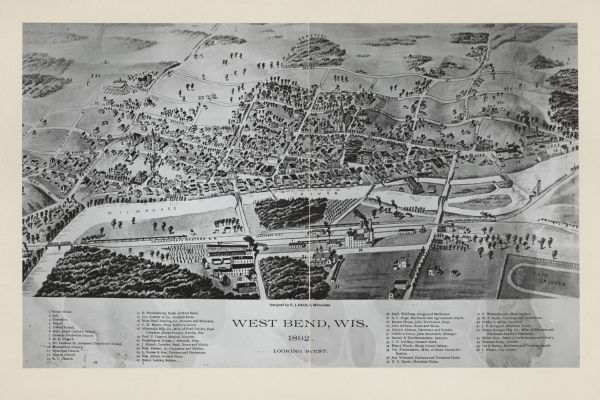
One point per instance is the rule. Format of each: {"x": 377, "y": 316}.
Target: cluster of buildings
{"x": 356, "y": 239}
{"x": 231, "y": 265}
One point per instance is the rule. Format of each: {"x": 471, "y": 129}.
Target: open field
{"x": 479, "y": 278}
{"x": 369, "y": 275}
{"x": 202, "y": 224}
{"x": 442, "y": 112}
{"x": 355, "y": 83}
{"x": 301, "y": 77}
{"x": 76, "y": 142}
{"x": 33, "y": 199}
{"x": 47, "y": 140}
{"x": 468, "y": 190}
{"x": 547, "y": 171}
{"x": 480, "y": 167}
{"x": 403, "y": 240}
{"x": 561, "y": 204}
{"x": 448, "y": 90}
{"x": 63, "y": 118}
{"x": 95, "y": 121}
{"x": 396, "y": 108}
{"x": 215, "y": 115}
{"x": 393, "y": 86}
{"x": 485, "y": 203}
{"x": 366, "y": 208}
{"x": 170, "y": 87}
{"x": 500, "y": 132}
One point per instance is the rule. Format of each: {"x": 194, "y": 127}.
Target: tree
{"x": 491, "y": 254}
{"x": 113, "y": 223}
{"x": 101, "y": 230}
{"x": 249, "y": 239}
{"x": 154, "y": 225}
{"x": 170, "y": 229}
{"x": 120, "y": 224}
{"x": 550, "y": 240}
{"x": 133, "y": 220}
{"x": 554, "y": 254}
{"x": 480, "y": 251}
{"x": 541, "y": 242}
{"x": 163, "y": 226}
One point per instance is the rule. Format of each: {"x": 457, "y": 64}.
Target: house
{"x": 401, "y": 284}
{"x": 400, "y": 264}
{"x": 321, "y": 260}
{"x": 413, "y": 186}
{"x": 511, "y": 151}
{"x": 230, "y": 254}
{"x": 245, "y": 287}
{"x": 297, "y": 245}
{"x": 332, "y": 243}
{"x": 406, "y": 231}
{"x": 119, "y": 83}
{"x": 139, "y": 178}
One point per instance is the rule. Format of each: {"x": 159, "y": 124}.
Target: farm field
{"x": 448, "y": 90}
{"x": 369, "y": 275}
{"x": 478, "y": 278}
{"x": 45, "y": 141}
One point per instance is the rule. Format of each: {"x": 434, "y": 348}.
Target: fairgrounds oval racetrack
{"x": 547, "y": 281}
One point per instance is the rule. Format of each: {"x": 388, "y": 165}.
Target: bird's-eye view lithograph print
{"x": 297, "y": 161}
{"x": 268, "y": 162}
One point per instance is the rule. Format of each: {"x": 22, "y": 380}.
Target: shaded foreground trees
{"x": 93, "y": 272}
{"x": 288, "y": 213}
{"x": 288, "y": 278}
